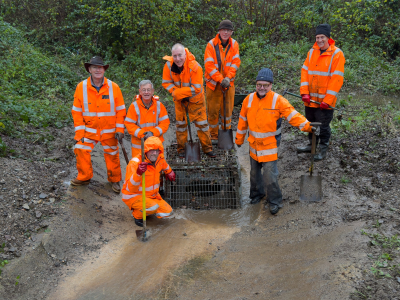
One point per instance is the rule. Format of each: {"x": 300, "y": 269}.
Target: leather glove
{"x": 323, "y": 105}
{"x": 171, "y": 176}
{"x": 148, "y": 134}
{"x": 306, "y": 98}
{"x": 225, "y": 82}
{"x": 119, "y": 135}
{"x": 141, "y": 168}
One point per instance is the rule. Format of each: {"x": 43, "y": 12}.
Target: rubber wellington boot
{"x": 304, "y": 149}
{"x": 323, "y": 148}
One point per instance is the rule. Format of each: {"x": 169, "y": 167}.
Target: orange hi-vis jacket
{"x": 263, "y": 118}
{"x": 230, "y": 60}
{"x": 139, "y": 118}
{"x": 98, "y": 115}
{"x": 322, "y": 74}
{"x": 189, "y": 83}
{"x": 132, "y": 188}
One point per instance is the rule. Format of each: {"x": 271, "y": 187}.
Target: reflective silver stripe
{"x": 338, "y": 73}
{"x": 181, "y": 122}
{"x": 111, "y": 153}
{"x": 204, "y": 128}
{"x": 317, "y": 95}
{"x": 76, "y": 109}
{"x": 89, "y": 114}
{"x": 112, "y": 102}
{"x": 213, "y": 72}
{"x": 236, "y": 56}
{"x": 209, "y": 59}
{"x": 130, "y": 120}
{"x": 166, "y": 169}
{"x": 91, "y": 130}
{"x": 107, "y": 131}
{"x": 159, "y": 129}
{"x": 126, "y": 197}
{"x": 136, "y": 132}
{"x": 250, "y": 99}
{"x": 150, "y": 188}
{"x": 127, "y": 188}
{"x": 181, "y": 129}
{"x": 86, "y": 140}
{"x": 136, "y": 146}
{"x": 228, "y": 64}
{"x": 77, "y": 146}
{"x": 137, "y": 110}
{"x": 305, "y": 67}
{"x": 213, "y": 126}
{"x": 289, "y": 117}
{"x": 318, "y": 73}
{"x": 167, "y": 81}
{"x": 201, "y": 122}
{"x": 152, "y": 208}
{"x": 133, "y": 182}
{"x": 196, "y": 85}
{"x": 163, "y": 214}
{"x": 135, "y": 159}
{"x": 85, "y": 96}
{"x": 232, "y": 79}
{"x": 233, "y": 42}
{"x": 234, "y": 66}
{"x": 274, "y": 99}
{"x": 120, "y": 107}
{"x": 119, "y": 125}
{"x": 169, "y": 67}
{"x": 147, "y": 125}
{"x": 164, "y": 118}
{"x": 332, "y": 93}
{"x": 261, "y": 135}
{"x": 111, "y": 92}
{"x": 243, "y": 118}
{"x": 222, "y": 118}
{"x": 301, "y": 126}
{"x": 333, "y": 55}
{"x": 177, "y": 83}
{"x": 304, "y": 83}
{"x": 211, "y": 42}
{"x": 264, "y": 152}
{"x": 241, "y": 131}
{"x": 217, "y": 66}
{"x": 311, "y": 52}
{"x": 170, "y": 86}
{"x": 158, "y": 112}
{"x": 211, "y": 81}
{"x": 193, "y": 91}
{"x": 186, "y": 84}
{"x": 106, "y": 114}
{"x": 79, "y": 127}
{"x": 110, "y": 147}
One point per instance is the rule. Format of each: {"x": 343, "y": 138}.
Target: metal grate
{"x": 209, "y": 184}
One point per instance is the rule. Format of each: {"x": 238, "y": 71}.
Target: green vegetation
{"x": 2, "y": 262}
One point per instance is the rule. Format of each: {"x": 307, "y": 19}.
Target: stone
{"x": 43, "y": 196}
{"x": 52, "y": 200}
{"x": 26, "y": 206}
{"x": 38, "y": 214}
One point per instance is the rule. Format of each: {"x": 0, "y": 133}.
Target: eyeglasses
{"x": 146, "y": 90}
{"x": 264, "y": 86}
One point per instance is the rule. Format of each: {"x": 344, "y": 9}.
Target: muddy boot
{"x": 273, "y": 208}
{"x": 139, "y": 222}
{"x": 304, "y": 149}
{"x": 256, "y": 199}
{"x": 323, "y": 148}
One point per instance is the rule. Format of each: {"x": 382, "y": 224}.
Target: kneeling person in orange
{"x": 98, "y": 112}
{"x": 152, "y": 166}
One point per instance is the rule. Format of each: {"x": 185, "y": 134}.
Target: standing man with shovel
{"x": 221, "y": 62}
{"x": 321, "y": 80}
{"x": 183, "y": 78}
{"x": 262, "y": 114}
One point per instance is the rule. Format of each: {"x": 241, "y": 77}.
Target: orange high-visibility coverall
{"x": 187, "y": 84}
{"x": 132, "y": 188}
{"x": 214, "y": 74}
{"x": 140, "y": 120}
{"x": 322, "y": 74}
{"x": 263, "y": 118}
{"x": 97, "y": 117}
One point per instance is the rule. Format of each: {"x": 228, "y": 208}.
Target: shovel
{"x": 123, "y": 150}
{"x": 311, "y": 186}
{"x": 142, "y": 234}
{"x": 192, "y": 150}
{"x": 225, "y": 136}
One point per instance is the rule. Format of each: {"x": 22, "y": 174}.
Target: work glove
{"x": 306, "y": 98}
{"x": 323, "y": 105}
{"x": 119, "y": 135}
{"x": 225, "y": 82}
{"x": 148, "y": 134}
{"x": 315, "y": 130}
{"x": 141, "y": 168}
{"x": 171, "y": 176}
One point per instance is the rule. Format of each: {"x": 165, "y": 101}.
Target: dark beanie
{"x": 225, "y": 24}
{"x": 265, "y": 74}
{"x": 324, "y": 29}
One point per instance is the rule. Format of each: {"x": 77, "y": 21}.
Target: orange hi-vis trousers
{"x": 159, "y": 207}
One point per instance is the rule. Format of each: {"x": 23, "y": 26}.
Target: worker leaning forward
{"x": 262, "y": 114}
{"x": 146, "y": 117}
{"x": 221, "y": 62}
{"x": 98, "y": 112}
{"x": 321, "y": 80}
{"x": 183, "y": 78}
{"x": 153, "y": 164}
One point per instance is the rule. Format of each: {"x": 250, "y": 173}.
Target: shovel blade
{"x": 310, "y": 188}
{"x": 142, "y": 235}
{"x": 225, "y": 139}
{"x": 192, "y": 152}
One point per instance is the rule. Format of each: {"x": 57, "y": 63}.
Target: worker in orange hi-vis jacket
{"x": 146, "y": 117}
{"x": 321, "y": 80}
{"x": 183, "y": 78}
{"x": 221, "y": 61}
{"x": 98, "y": 112}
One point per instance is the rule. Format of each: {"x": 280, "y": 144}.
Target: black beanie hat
{"x": 265, "y": 74}
{"x": 324, "y": 29}
{"x": 225, "y": 24}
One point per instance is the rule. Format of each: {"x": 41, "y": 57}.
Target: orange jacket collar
{"x": 218, "y": 41}
{"x": 190, "y": 61}
{"x": 139, "y": 99}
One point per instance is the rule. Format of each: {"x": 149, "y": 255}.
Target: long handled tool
{"x": 192, "y": 150}
{"x": 225, "y": 136}
{"x": 142, "y": 234}
{"x": 123, "y": 150}
{"x": 311, "y": 186}
{"x": 298, "y": 96}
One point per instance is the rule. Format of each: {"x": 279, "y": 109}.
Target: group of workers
{"x": 100, "y": 116}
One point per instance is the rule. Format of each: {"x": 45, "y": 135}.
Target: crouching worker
{"x": 153, "y": 164}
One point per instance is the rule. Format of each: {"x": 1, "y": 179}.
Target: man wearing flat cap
{"x": 321, "y": 80}
{"x": 221, "y": 61}
{"x": 261, "y": 116}
{"x": 98, "y": 112}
